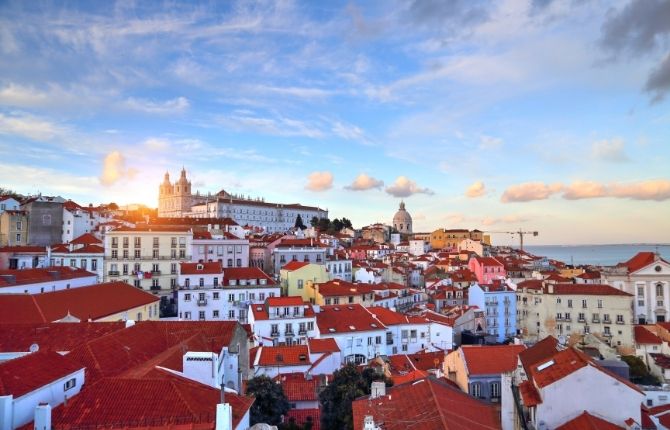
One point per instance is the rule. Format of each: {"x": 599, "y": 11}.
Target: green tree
{"x": 336, "y": 399}
{"x": 639, "y": 372}
{"x": 324, "y": 224}
{"x": 346, "y": 223}
{"x": 299, "y": 224}
{"x": 271, "y": 402}
{"x": 337, "y": 225}
{"x": 314, "y": 221}
{"x": 11, "y": 193}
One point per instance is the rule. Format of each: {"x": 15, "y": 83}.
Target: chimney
{"x": 201, "y": 367}
{"x": 377, "y": 389}
{"x": 224, "y": 417}
{"x": 42, "y": 417}
{"x": 369, "y": 423}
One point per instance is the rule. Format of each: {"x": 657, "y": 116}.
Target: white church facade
{"x": 177, "y": 200}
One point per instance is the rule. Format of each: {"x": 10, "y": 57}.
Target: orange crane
{"x": 520, "y": 233}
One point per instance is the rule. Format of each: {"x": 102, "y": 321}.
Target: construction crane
{"x": 520, "y": 233}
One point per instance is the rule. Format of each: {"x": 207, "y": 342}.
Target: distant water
{"x": 600, "y": 255}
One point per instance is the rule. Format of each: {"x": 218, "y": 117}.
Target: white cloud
{"x": 277, "y": 126}
{"x": 29, "y": 126}
{"x": 350, "y": 132}
{"x": 173, "y": 106}
{"x": 609, "y": 150}
{"x": 405, "y": 187}
{"x": 364, "y": 182}
{"x": 477, "y": 189}
{"x": 319, "y": 181}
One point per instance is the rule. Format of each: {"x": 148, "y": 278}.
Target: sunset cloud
{"x": 657, "y": 190}
{"x": 405, "y": 187}
{"x": 530, "y": 191}
{"x": 114, "y": 169}
{"x": 476, "y": 190}
{"x": 609, "y": 150}
{"x": 319, "y": 181}
{"x": 584, "y": 190}
{"x": 364, "y": 182}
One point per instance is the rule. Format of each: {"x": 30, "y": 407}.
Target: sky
{"x": 546, "y": 115}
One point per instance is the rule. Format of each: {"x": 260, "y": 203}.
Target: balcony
{"x": 595, "y": 320}
{"x": 581, "y": 320}
{"x": 620, "y": 322}
{"x": 607, "y": 334}
{"x": 274, "y": 334}
{"x": 156, "y": 272}
{"x": 202, "y": 302}
{"x": 302, "y": 332}
{"x": 389, "y": 341}
{"x": 113, "y": 273}
{"x": 155, "y": 288}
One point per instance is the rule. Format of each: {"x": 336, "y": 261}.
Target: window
{"x": 137, "y": 253}
{"x": 182, "y": 253}
{"x": 215, "y": 296}
{"x": 187, "y": 297}
{"x": 137, "y": 283}
{"x": 94, "y": 264}
{"x": 310, "y": 325}
{"x": 584, "y": 303}
{"x": 569, "y": 303}
{"x": 115, "y": 242}
{"x": 659, "y": 290}
{"x": 619, "y": 319}
{"x": 201, "y": 282}
{"x": 201, "y": 315}
{"x": 475, "y": 389}
{"x": 187, "y": 315}
{"x": 216, "y": 282}
{"x": 215, "y": 314}
{"x": 239, "y": 262}
{"x": 46, "y": 219}
{"x": 18, "y": 237}
{"x": 155, "y": 242}
{"x": 581, "y": 317}
{"x": 115, "y": 253}
{"x": 558, "y": 300}
{"x": 125, "y": 242}
{"x": 230, "y": 263}
{"x": 69, "y": 384}
{"x": 495, "y": 390}
{"x": 154, "y": 253}
{"x": 300, "y": 284}
{"x": 231, "y": 297}
{"x": 231, "y": 314}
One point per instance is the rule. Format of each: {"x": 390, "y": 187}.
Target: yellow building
{"x": 147, "y": 258}
{"x": 13, "y": 228}
{"x": 296, "y": 276}
{"x": 338, "y": 292}
{"x": 450, "y": 239}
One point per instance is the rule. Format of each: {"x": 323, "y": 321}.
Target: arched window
{"x": 659, "y": 290}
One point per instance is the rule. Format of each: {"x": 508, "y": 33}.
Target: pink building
{"x": 487, "y": 269}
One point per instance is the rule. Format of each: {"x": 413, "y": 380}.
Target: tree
{"x": 337, "y": 225}
{"x": 346, "y": 223}
{"x": 299, "y": 224}
{"x": 271, "y": 402}
{"x": 324, "y": 224}
{"x": 113, "y": 207}
{"x": 639, "y": 373}
{"x": 314, "y": 221}
{"x": 11, "y": 193}
{"x": 348, "y": 384}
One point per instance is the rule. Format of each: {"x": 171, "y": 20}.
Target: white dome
{"x": 402, "y": 220}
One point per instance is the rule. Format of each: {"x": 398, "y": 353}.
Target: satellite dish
{"x": 561, "y": 340}
{"x": 34, "y": 347}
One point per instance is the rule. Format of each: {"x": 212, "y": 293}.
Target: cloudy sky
{"x": 543, "y": 115}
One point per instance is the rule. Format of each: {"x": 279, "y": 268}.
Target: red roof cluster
{"x": 284, "y": 301}
{"x": 91, "y": 302}
{"x": 318, "y": 346}
{"x": 586, "y": 421}
{"x": 30, "y": 372}
{"x": 298, "y": 388}
{"x": 639, "y": 261}
{"x": 295, "y": 265}
{"x": 644, "y": 336}
{"x": 294, "y": 355}
{"x": 58, "y": 337}
{"x": 237, "y": 273}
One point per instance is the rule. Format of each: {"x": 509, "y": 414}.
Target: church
{"x": 177, "y": 201}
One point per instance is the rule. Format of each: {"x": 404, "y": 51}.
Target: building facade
{"x": 499, "y": 305}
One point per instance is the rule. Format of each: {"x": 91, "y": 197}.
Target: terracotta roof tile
{"x": 295, "y": 265}
{"x": 295, "y": 355}
{"x": 159, "y": 400}
{"x": 30, "y": 372}
{"x": 586, "y": 421}
{"x": 86, "y": 239}
{"x": 529, "y": 394}
{"x": 491, "y": 360}
{"x": 346, "y": 319}
{"x": 299, "y": 389}
{"x": 644, "y": 336}
{"x": 209, "y": 268}
{"x": 638, "y": 261}
{"x": 53, "y": 336}
{"x": 10, "y": 278}
{"x": 318, "y": 346}
{"x": 426, "y": 404}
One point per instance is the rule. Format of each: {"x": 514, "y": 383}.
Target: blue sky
{"x": 543, "y": 115}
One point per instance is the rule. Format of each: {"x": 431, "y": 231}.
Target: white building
{"x": 176, "y": 200}
{"x": 283, "y": 321}
{"x": 358, "y": 334}
{"x": 226, "y": 248}
{"x": 36, "y": 378}
{"x": 85, "y": 252}
{"x": 646, "y": 276}
{"x": 306, "y": 250}
{"x": 418, "y": 247}
{"x": 339, "y": 269}
{"x": 8, "y": 203}
{"x": 208, "y": 292}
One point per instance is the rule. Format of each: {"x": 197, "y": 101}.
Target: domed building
{"x": 402, "y": 220}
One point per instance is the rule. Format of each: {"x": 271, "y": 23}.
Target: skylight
{"x": 546, "y": 365}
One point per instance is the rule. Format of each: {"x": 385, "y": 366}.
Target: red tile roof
{"x": 25, "y": 249}
{"x": 491, "y": 360}
{"x": 389, "y": 317}
{"x": 91, "y": 302}
{"x": 318, "y": 346}
{"x": 299, "y": 389}
{"x": 238, "y": 273}
{"x": 588, "y": 289}
{"x": 30, "y": 372}
{"x": 488, "y": 261}
{"x": 10, "y": 278}
{"x": 346, "y": 319}
{"x": 53, "y": 336}
{"x": 639, "y": 261}
{"x": 210, "y": 268}
{"x": 426, "y": 404}
{"x": 295, "y": 355}
{"x": 586, "y": 421}
{"x": 540, "y": 352}
{"x": 529, "y": 395}
{"x": 284, "y": 301}
{"x": 644, "y": 336}
{"x": 159, "y": 400}
{"x": 125, "y": 350}
{"x": 295, "y": 265}
{"x": 86, "y": 239}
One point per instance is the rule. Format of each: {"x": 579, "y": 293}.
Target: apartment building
{"x": 546, "y": 309}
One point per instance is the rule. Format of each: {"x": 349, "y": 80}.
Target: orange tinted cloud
{"x": 477, "y": 189}
{"x": 530, "y": 191}
{"x": 319, "y": 181}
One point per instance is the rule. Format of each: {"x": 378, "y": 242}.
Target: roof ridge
{"x": 39, "y": 308}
